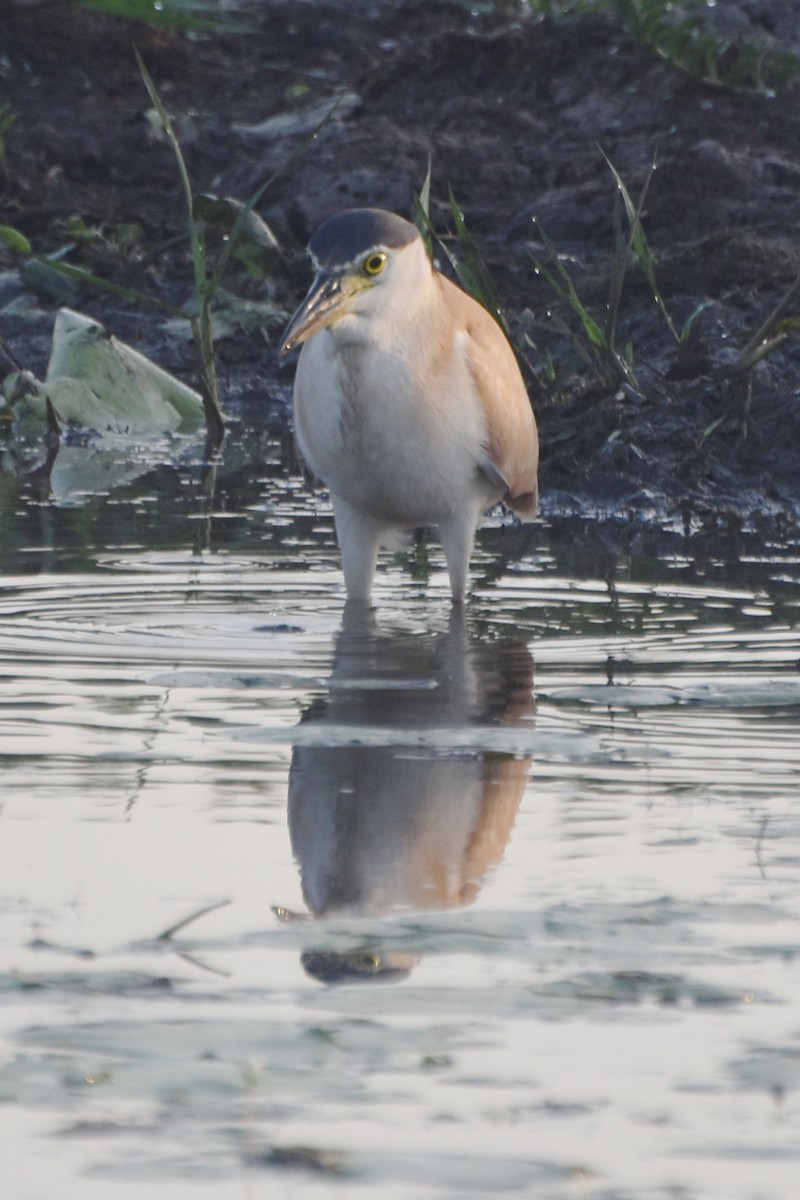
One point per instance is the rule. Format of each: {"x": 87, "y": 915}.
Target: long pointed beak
{"x": 324, "y": 302}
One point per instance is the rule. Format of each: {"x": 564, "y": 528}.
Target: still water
{"x": 297, "y": 903}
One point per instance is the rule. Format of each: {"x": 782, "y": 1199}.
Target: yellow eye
{"x": 374, "y": 263}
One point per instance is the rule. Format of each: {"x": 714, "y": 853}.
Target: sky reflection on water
{"x": 554, "y": 913}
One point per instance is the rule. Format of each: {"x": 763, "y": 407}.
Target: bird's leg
{"x": 359, "y": 538}
{"x": 458, "y": 536}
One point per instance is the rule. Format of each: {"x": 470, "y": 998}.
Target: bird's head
{"x": 359, "y": 257}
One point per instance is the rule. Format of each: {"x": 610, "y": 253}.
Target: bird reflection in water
{"x": 381, "y": 818}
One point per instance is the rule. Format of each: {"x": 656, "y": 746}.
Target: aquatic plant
{"x": 205, "y": 284}
{"x": 244, "y": 236}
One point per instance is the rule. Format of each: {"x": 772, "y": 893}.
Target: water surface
{"x": 297, "y": 902}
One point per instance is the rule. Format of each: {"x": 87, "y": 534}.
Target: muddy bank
{"x": 516, "y": 116}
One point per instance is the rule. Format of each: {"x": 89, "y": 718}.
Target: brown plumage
{"x": 409, "y": 403}
{"x": 513, "y": 442}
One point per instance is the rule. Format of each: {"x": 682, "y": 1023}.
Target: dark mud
{"x": 515, "y": 116}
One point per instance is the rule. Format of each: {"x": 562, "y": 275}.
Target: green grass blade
{"x": 195, "y": 233}
{"x": 425, "y": 193}
{"x": 105, "y": 285}
{"x": 471, "y": 268}
{"x": 638, "y": 243}
{"x": 16, "y": 240}
{"x": 688, "y": 324}
{"x": 567, "y": 291}
{"x": 422, "y": 210}
{"x": 201, "y": 15}
{"x": 201, "y": 327}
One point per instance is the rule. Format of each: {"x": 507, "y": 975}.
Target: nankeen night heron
{"x": 409, "y": 403}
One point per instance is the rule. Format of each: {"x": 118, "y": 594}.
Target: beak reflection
{"x": 388, "y": 819}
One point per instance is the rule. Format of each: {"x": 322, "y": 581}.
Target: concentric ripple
{"x": 562, "y": 834}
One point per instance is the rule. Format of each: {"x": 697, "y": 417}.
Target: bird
{"x": 389, "y": 821}
{"x": 409, "y": 403}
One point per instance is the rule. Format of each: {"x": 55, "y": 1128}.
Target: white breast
{"x": 384, "y": 433}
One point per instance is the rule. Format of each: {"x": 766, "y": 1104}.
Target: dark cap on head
{"x": 342, "y": 239}
{"x": 351, "y": 966}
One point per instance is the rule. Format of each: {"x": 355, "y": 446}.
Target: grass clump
{"x": 595, "y": 337}
{"x": 466, "y": 260}
{"x": 203, "y": 16}
{"x": 591, "y": 329}
{"x": 682, "y": 34}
